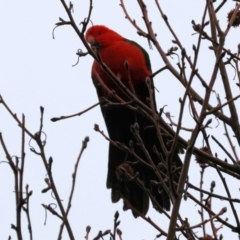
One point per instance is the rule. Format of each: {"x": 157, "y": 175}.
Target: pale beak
{"x": 93, "y": 42}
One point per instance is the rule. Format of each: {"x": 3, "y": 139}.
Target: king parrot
{"x": 131, "y": 64}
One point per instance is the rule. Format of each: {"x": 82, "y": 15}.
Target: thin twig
{"x": 224, "y": 149}
{"x": 222, "y": 211}
{"x": 229, "y": 196}
{"x": 201, "y": 198}
{"x": 74, "y": 115}
{"x": 212, "y": 194}
{"x": 224, "y": 222}
{"x": 27, "y": 210}
{"x": 74, "y": 175}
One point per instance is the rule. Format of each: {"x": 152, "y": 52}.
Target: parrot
{"x": 131, "y": 65}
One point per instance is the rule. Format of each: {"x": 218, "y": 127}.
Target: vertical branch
{"x": 228, "y": 137}
{"x": 209, "y": 205}
{"x": 191, "y": 144}
{"x": 201, "y": 200}
{"x": 74, "y": 175}
{"x": 17, "y": 200}
{"x": 229, "y": 196}
{"x": 53, "y": 186}
{"x": 21, "y": 171}
{"x": 222, "y": 36}
{"x": 27, "y": 199}
{"x": 48, "y": 167}
{"x": 17, "y": 228}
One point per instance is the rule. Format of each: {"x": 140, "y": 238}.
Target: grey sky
{"x": 37, "y": 71}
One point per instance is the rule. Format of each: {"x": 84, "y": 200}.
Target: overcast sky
{"x": 36, "y": 70}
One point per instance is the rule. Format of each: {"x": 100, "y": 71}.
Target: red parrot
{"x": 126, "y": 59}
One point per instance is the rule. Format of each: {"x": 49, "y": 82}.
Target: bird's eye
{"x": 99, "y": 33}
